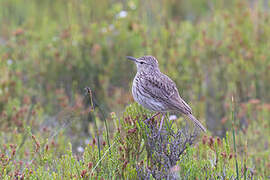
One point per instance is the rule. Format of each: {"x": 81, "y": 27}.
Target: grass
{"x": 234, "y": 143}
{"x": 136, "y": 151}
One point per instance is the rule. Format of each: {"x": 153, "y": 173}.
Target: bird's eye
{"x": 141, "y": 62}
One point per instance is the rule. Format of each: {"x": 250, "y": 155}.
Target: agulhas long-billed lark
{"x": 156, "y": 91}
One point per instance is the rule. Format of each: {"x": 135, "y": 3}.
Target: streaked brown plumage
{"x": 156, "y": 91}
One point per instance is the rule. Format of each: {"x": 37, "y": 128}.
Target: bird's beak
{"x": 131, "y": 58}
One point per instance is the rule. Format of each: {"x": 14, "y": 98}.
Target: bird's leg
{"x": 155, "y": 115}
{"x": 161, "y": 122}
{"x": 152, "y": 117}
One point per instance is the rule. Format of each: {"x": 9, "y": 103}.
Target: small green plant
{"x": 138, "y": 150}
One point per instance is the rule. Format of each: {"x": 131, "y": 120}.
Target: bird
{"x": 156, "y": 91}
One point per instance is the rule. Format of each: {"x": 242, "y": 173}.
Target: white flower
{"x": 172, "y": 117}
{"x": 80, "y": 149}
{"x": 9, "y": 61}
{"x": 86, "y": 141}
{"x": 122, "y": 14}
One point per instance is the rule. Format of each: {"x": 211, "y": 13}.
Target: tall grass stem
{"x": 234, "y": 143}
{"x": 92, "y": 109}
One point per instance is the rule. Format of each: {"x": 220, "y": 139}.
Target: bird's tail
{"x": 196, "y": 122}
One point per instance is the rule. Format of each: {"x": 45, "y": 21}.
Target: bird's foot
{"x": 152, "y": 117}
{"x": 161, "y": 122}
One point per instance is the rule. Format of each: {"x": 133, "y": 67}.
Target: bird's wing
{"x": 163, "y": 88}
{"x": 158, "y": 86}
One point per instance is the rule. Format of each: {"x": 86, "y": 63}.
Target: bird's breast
{"x": 144, "y": 98}
{"x": 134, "y": 89}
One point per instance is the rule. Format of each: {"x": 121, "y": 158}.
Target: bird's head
{"x": 145, "y": 64}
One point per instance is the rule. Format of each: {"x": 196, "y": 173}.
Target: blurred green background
{"x": 51, "y": 50}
